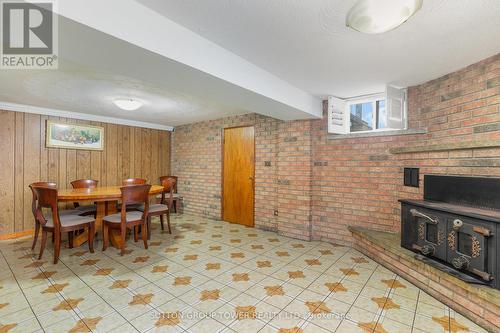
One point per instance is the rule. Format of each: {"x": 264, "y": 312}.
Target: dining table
{"x": 106, "y": 199}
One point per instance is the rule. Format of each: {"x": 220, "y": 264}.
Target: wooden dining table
{"x": 106, "y": 199}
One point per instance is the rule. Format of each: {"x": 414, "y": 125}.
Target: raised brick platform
{"x": 480, "y": 304}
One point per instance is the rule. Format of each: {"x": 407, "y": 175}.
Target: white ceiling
{"x": 306, "y": 42}
{"x": 195, "y": 60}
{"x": 95, "y": 68}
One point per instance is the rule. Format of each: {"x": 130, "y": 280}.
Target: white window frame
{"x": 366, "y": 99}
{"x": 339, "y": 113}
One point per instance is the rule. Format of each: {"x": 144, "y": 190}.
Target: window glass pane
{"x": 361, "y": 117}
{"x": 381, "y": 114}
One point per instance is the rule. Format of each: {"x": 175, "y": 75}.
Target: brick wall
{"x": 196, "y": 160}
{"x": 294, "y": 179}
{"x": 320, "y": 186}
{"x": 359, "y": 181}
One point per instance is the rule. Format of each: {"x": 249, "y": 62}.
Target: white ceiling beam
{"x": 6, "y": 106}
{"x": 133, "y": 22}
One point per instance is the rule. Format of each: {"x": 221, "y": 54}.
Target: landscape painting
{"x": 73, "y": 136}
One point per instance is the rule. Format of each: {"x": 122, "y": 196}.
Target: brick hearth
{"x": 481, "y": 304}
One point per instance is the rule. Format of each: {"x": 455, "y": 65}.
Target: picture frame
{"x": 74, "y": 136}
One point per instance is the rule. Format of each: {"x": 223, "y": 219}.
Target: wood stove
{"x": 456, "y": 226}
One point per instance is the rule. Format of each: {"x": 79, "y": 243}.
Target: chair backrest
{"x": 84, "y": 183}
{"x": 34, "y": 201}
{"x": 168, "y": 184}
{"x": 134, "y": 194}
{"x": 170, "y": 177}
{"x": 46, "y": 198}
{"x": 134, "y": 181}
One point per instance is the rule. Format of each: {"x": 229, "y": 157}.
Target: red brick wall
{"x": 320, "y": 186}
{"x": 196, "y": 160}
{"x": 294, "y": 179}
{"x": 358, "y": 181}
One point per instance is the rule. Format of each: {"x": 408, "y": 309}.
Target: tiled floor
{"x": 212, "y": 277}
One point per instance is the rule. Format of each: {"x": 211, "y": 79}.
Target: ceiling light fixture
{"x": 378, "y": 16}
{"x": 128, "y": 104}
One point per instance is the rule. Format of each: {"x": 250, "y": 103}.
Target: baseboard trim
{"x": 16, "y": 234}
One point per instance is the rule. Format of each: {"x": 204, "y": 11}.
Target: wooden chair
{"x": 85, "y": 183}
{"x": 134, "y": 181}
{"x": 176, "y": 197}
{"x": 59, "y": 223}
{"x": 164, "y": 207}
{"x": 128, "y": 182}
{"x": 34, "y": 204}
{"x": 132, "y": 194}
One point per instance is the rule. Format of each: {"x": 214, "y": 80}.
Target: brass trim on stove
{"x": 451, "y": 240}
{"x": 483, "y": 231}
{"x": 421, "y": 231}
{"x": 476, "y": 248}
{"x": 440, "y": 237}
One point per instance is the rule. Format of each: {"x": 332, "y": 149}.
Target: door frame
{"x": 222, "y": 172}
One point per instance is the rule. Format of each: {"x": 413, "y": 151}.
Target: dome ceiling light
{"x": 378, "y": 16}
{"x": 128, "y": 104}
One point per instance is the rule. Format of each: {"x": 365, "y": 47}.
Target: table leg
{"x": 101, "y": 212}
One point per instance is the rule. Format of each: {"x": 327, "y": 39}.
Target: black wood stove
{"x": 456, "y": 227}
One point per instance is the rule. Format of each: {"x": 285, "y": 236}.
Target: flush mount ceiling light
{"x": 128, "y": 104}
{"x": 377, "y": 16}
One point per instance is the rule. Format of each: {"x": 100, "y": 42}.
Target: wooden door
{"x": 238, "y": 175}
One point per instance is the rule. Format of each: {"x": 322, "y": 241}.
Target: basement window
{"x": 373, "y": 113}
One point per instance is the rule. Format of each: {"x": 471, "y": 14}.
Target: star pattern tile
{"x": 248, "y": 280}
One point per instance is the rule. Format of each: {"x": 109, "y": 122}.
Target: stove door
{"x": 430, "y": 229}
{"x": 468, "y": 242}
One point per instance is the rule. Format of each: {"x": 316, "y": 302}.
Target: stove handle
{"x": 460, "y": 262}
{"x": 416, "y": 213}
{"x": 457, "y": 224}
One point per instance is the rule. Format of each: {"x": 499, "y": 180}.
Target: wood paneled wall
{"x": 128, "y": 152}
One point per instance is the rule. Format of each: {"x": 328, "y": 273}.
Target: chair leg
{"x": 123, "y": 233}
{"x": 35, "y": 236}
{"x": 136, "y": 233}
{"x": 42, "y": 245}
{"x": 105, "y": 236}
{"x": 90, "y": 239}
{"x": 168, "y": 222}
{"x": 161, "y": 222}
{"x": 145, "y": 234}
{"x": 148, "y": 220}
{"x": 70, "y": 239}
{"x": 57, "y": 246}
{"x": 53, "y": 238}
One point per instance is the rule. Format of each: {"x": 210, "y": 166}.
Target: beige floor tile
{"x": 107, "y": 323}
{"x": 349, "y": 327}
{"x": 360, "y": 315}
{"x": 125, "y": 328}
{"x": 393, "y": 326}
{"x": 12, "y": 302}
{"x": 462, "y": 321}
{"x": 207, "y": 325}
{"x": 427, "y": 324}
{"x": 430, "y": 310}
{"x": 206, "y": 277}
{"x": 151, "y": 322}
{"x": 247, "y": 325}
{"x": 285, "y": 320}
{"x": 25, "y": 326}
{"x": 402, "y": 316}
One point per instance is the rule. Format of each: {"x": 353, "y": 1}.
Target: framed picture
{"x": 73, "y": 136}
